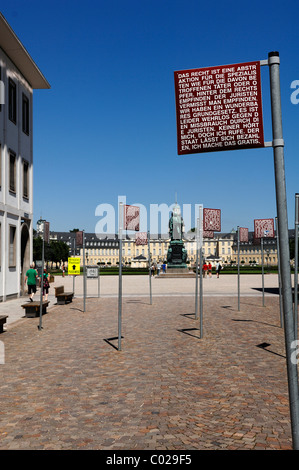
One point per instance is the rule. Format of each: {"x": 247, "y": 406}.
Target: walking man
{"x": 31, "y": 276}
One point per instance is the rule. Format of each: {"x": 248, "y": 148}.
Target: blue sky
{"x": 107, "y": 127}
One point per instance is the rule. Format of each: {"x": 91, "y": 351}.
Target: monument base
{"x": 176, "y": 271}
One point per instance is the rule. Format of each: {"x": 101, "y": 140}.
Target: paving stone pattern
{"x": 65, "y": 387}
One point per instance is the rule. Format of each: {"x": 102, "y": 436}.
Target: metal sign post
{"x": 282, "y": 216}
{"x": 42, "y": 284}
{"x": 263, "y": 286}
{"x": 196, "y": 86}
{"x": 200, "y": 268}
{"x": 196, "y": 276}
{"x": 149, "y": 266}
{"x": 74, "y": 254}
{"x": 238, "y": 243}
{"x": 242, "y": 236}
{"x": 84, "y": 274}
{"x": 120, "y": 236}
{"x": 279, "y": 275}
{"x": 99, "y": 287}
{"x": 263, "y": 228}
{"x": 296, "y": 266}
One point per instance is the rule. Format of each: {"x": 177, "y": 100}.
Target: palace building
{"x": 222, "y": 247}
{"x": 19, "y": 76}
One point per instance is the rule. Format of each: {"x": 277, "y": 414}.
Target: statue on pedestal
{"x": 177, "y": 254}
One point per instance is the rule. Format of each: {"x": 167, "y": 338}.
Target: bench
{"x": 2, "y": 321}
{"x": 63, "y": 297}
{"x": 32, "y": 309}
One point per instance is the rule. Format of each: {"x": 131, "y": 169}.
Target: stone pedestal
{"x": 176, "y": 255}
{"x": 177, "y": 272}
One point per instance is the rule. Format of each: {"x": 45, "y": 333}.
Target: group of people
{"x": 31, "y": 280}
{"x": 159, "y": 267}
{"x": 207, "y": 269}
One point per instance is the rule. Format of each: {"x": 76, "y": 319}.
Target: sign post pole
{"x": 279, "y": 275}
{"x": 120, "y": 236}
{"x": 149, "y": 266}
{"x": 196, "y": 276}
{"x": 238, "y": 242}
{"x": 99, "y": 275}
{"x": 200, "y": 268}
{"x": 84, "y": 274}
{"x": 281, "y": 201}
{"x": 262, "y": 253}
{"x": 74, "y": 254}
{"x": 296, "y": 266}
{"x": 42, "y": 284}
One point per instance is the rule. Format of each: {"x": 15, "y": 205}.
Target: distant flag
{"x": 208, "y": 234}
{"x": 79, "y": 238}
{"x": 131, "y": 217}
{"x": 243, "y": 234}
{"x": 141, "y": 238}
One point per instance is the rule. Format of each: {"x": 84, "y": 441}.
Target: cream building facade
{"x": 19, "y": 76}
{"x": 222, "y": 247}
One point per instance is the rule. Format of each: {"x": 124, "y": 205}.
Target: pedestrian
{"x": 164, "y": 268}
{"x": 205, "y": 268}
{"x": 210, "y": 269}
{"x": 158, "y": 268}
{"x": 30, "y": 278}
{"x": 218, "y": 268}
{"x": 153, "y": 269}
{"x": 46, "y": 285}
{"x": 63, "y": 270}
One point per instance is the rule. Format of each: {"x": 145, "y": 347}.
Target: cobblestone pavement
{"x": 68, "y": 387}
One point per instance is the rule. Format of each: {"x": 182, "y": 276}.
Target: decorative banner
{"x": 141, "y": 238}
{"x": 219, "y": 108}
{"x": 131, "y": 217}
{"x": 264, "y": 228}
{"x": 243, "y": 234}
{"x": 79, "y": 238}
{"x": 46, "y": 232}
{"x": 212, "y": 220}
{"x": 208, "y": 234}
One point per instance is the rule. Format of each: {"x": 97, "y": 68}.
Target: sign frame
{"x": 215, "y": 92}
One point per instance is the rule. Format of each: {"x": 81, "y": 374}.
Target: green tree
{"x": 38, "y": 247}
{"x": 59, "y": 252}
{"x": 292, "y": 248}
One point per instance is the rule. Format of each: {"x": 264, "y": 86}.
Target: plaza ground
{"x": 67, "y": 387}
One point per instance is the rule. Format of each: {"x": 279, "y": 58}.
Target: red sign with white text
{"x": 264, "y": 228}
{"x": 219, "y": 108}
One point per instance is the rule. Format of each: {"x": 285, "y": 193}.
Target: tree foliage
{"x": 55, "y": 251}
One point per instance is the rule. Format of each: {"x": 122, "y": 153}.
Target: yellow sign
{"x": 74, "y": 266}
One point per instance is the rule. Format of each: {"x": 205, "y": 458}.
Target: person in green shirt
{"x": 30, "y": 278}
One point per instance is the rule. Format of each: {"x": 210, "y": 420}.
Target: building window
{"x": 12, "y": 101}
{"x": 25, "y": 179}
{"x": 12, "y": 172}
{"x": 25, "y": 114}
{"x": 12, "y": 246}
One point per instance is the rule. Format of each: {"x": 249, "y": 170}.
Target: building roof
{"x": 15, "y": 50}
